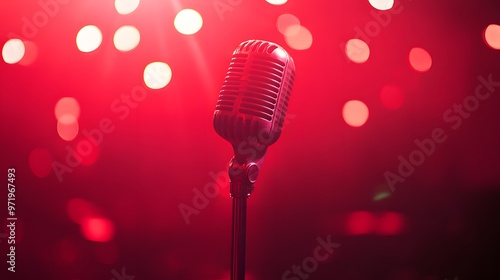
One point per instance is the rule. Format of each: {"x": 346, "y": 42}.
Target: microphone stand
{"x": 243, "y": 175}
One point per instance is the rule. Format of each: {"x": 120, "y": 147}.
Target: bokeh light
{"x": 67, "y": 106}
{"x": 420, "y": 60}
{"x": 298, "y": 40}
{"x": 492, "y": 36}
{"x": 98, "y": 229}
{"x": 30, "y": 54}
{"x": 126, "y": 38}
{"x": 360, "y": 222}
{"x": 277, "y": 2}
{"x": 157, "y": 75}
{"x": 188, "y": 22}
{"x": 87, "y": 147}
{"x": 13, "y": 51}
{"x": 288, "y": 24}
{"x": 390, "y": 223}
{"x": 355, "y": 113}
{"x": 67, "y": 127}
{"x": 391, "y": 96}
{"x": 79, "y": 210}
{"x": 357, "y": 50}
{"x": 40, "y": 162}
{"x": 89, "y": 38}
{"x": 382, "y": 4}
{"x": 125, "y": 7}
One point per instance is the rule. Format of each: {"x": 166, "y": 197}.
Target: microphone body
{"x": 250, "y": 113}
{"x": 253, "y": 100}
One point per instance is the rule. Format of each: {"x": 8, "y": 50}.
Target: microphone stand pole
{"x": 243, "y": 176}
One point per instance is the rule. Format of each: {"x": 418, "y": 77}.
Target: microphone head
{"x": 254, "y": 97}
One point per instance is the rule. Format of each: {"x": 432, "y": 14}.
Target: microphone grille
{"x": 255, "y": 91}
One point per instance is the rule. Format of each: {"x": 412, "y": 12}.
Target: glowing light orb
{"x": 126, "y": 38}
{"x": 360, "y": 222}
{"x": 188, "y": 22}
{"x": 30, "y": 54}
{"x": 67, "y": 127}
{"x": 288, "y": 24}
{"x": 157, "y": 75}
{"x": 492, "y": 36}
{"x": 420, "y": 60}
{"x": 298, "y": 40}
{"x": 382, "y": 4}
{"x": 357, "y": 50}
{"x": 98, "y": 229}
{"x": 67, "y": 106}
{"x": 390, "y": 223}
{"x": 276, "y": 2}
{"x": 355, "y": 113}
{"x": 89, "y": 38}
{"x": 125, "y": 7}
{"x": 13, "y": 51}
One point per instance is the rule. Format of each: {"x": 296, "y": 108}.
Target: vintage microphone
{"x": 250, "y": 113}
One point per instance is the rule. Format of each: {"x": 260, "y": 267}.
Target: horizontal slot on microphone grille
{"x": 262, "y": 103}
{"x": 255, "y": 113}
{"x": 257, "y": 107}
{"x": 221, "y": 107}
{"x": 271, "y": 72}
{"x": 263, "y": 98}
{"x": 269, "y": 62}
{"x": 264, "y": 85}
{"x": 224, "y": 93}
{"x": 269, "y": 93}
{"x": 233, "y": 69}
{"x": 255, "y": 78}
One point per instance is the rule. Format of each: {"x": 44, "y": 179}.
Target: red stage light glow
{"x": 360, "y": 222}
{"x": 13, "y": 51}
{"x": 420, "y": 60}
{"x": 67, "y": 106}
{"x": 382, "y": 4}
{"x": 355, "y": 113}
{"x": 67, "y": 127}
{"x": 492, "y": 36}
{"x": 157, "y": 75}
{"x": 125, "y": 7}
{"x": 126, "y": 38}
{"x": 89, "y": 38}
{"x": 285, "y": 21}
{"x": 188, "y": 22}
{"x": 357, "y": 50}
{"x": 97, "y": 229}
{"x": 276, "y": 2}
{"x": 390, "y": 223}
{"x": 298, "y": 37}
